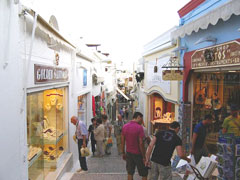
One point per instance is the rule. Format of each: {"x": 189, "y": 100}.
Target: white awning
{"x": 122, "y": 93}
{"x": 223, "y": 12}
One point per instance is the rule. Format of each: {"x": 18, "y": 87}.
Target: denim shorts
{"x": 134, "y": 160}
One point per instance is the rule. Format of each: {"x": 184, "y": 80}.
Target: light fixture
{"x": 206, "y": 39}
{"x": 155, "y": 69}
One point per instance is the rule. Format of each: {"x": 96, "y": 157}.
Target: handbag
{"x": 84, "y": 152}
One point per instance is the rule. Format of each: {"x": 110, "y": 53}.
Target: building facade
{"x": 162, "y": 96}
{"x": 209, "y": 32}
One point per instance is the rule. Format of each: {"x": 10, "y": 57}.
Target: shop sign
{"x": 220, "y": 55}
{"x": 45, "y": 74}
{"x": 172, "y": 75}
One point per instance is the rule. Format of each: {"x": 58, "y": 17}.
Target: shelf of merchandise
{"x": 34, "y": 158}
{"x": 52, "y": 163}
{"x": 54, "y": 141}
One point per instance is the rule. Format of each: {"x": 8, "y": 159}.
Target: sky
{"x": 122, "y": 27}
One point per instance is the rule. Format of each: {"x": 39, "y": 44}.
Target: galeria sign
{"x": 45, "y": 74}
{"x": 172, "y": 75}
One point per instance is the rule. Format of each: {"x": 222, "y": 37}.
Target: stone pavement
{"x": 110, "y": 167}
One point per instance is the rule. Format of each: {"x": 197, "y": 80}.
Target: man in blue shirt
{"x": 199, "y": 148}
{"x": 82, "y": 136}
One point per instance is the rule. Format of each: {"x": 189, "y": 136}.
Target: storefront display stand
{"x": 34, "y": 158}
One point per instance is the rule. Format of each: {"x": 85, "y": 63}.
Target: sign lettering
{"x": 220, "y": 55}
{"x": 44, "y": 74}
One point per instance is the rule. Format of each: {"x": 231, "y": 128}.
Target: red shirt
{"x": 132, "y": 131}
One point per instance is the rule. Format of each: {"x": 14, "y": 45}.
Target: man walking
{"x": 118, "y": 131}
{"x": 82, "y": 136}
{"x": 132, "y": 135}
{"x": 107, "y": 132}
{"x": 165, "y": 143}
{"x": 199, "y": 147}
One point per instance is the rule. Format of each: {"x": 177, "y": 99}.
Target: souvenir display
{"x": 229, "y": 163}
{"x": 238, "y": 162}
{"x": 206, "y": 166}
{"x": 237, "y": 173}
{"x": 237, "y": 150}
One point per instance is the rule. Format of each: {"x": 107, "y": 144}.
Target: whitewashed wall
{"x": 11, "y": 92}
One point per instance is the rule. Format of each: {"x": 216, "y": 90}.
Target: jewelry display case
{"x": 47, "y": 131}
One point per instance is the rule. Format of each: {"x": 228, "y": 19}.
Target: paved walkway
{"x": 110, "y": 167}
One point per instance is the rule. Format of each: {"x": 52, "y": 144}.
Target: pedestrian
{"x": 118, "y": 131}
{"x": 82, "y": 136}
{"x": 126, "y": 113}
{"x": 91, "y": 134}
{"x": 199, "y": 147}
{"x": 121, "y": 112}
{"x": 132, "y": 136}
{"x": 164, "y": 144}
{"x": 107, "y": 133}
{"x": 99, "y": 137}
{"x": 231, "y": 124}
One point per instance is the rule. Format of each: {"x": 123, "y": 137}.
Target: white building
{"x": 45, "y": 80}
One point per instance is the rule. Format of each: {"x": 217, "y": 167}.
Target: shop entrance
{"x": 214, "y": 93}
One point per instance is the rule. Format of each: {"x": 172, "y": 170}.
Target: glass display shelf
{"x": 54, "y": 140}
{"x": 34, "y": 158}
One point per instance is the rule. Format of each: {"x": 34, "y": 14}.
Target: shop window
{"x": 214, "y": 93}
{"x": 46, "y": 131}
{"x": 163, "y": 113}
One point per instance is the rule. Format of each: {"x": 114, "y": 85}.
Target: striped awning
{"x": 223, "y": 12}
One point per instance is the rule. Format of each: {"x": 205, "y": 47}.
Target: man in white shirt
{"x": 82, "y": 136}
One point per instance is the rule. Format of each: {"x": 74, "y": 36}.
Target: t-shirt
{"x": 232, "y": 125}
{"x": 201, "y": 132}
{"x": 81, "y": 130}
{"x": 90, "y": 130}
{"x": 165, "y": 144}
{"x": 132, "y": 131}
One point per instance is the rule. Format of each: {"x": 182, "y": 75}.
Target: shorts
{"x": 134, "y": 160}
{"x": 161, "y": 172}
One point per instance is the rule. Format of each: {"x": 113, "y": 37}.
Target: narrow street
{"x": 110, "y": 167}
